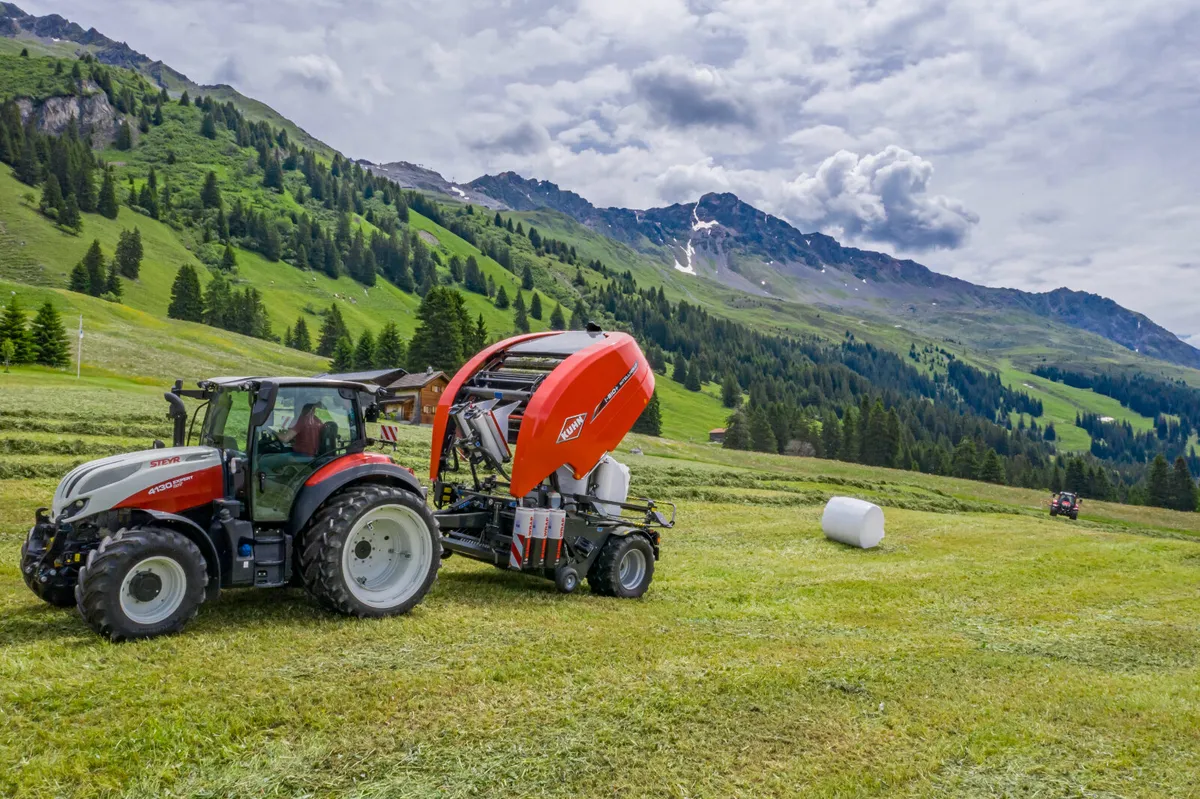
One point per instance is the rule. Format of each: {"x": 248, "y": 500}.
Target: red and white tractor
{"x": 278, "y": 491}
{"x": 557, "y": 505}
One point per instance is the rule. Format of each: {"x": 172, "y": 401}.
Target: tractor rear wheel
{"x": 372, "y": 550}
{"x": 625, "y": 567}
{"x": 61, "y": 596}
{"x": 141, "y": 582}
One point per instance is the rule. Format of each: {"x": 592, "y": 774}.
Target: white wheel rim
{"x": 387, "y": 555}
{"x": 633, "y": 569}
{"x": 172, "y": 587}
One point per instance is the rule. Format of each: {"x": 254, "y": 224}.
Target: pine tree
{"x": 1158, "y": 483}
{"x": 26, "y": 169}
{"x": 184, "y": 100}
{"x": 579, "y": 315}
{"x": 7, "y": 353}
{"x": 692, "y": 383}
{"x": 850, "y": 436}
{"x": 535, "y": 306}
{"x": 520, "y": 319}
{"x": 831, "y": 437}
{"x": 731, "y": 392}
{"x": 965, "y": 461}
{"x": 89, "y": 277}
{"x": 210, "y": 193}
{"x": 1183, "y": 487}
{"x": 80, "y": 280}
{"x": 762, "y": 437}
{"x": 650, "y": 422}
{"x": 71, "y": 218}
{"x": 49, "y": 338}
{"x": 343, "y": 355}
{"x": 1056, "y": 480}
{"x": 680, "y": 372}
{"x": 208, "y": 127}
{"x": 129, "y": 253}
{"x": 737, "y": 432}
{"x": 124, "y": 140}
{"x": 437, "y": 341}
{"x": 112, "y": 283}
{"x": 301, "y": 340}
{"x": 1076, "y": 476}
{"x": 13, "y": 329}
{"x": 107, "y": 204}
{"x": 526, "y": 276}
{"x": 218, "y": 303}
{"x": 229, "y": 259}
{"x": 332, "y": 329}
{"x": 187, "y": 302}
{"x": 389, "y": 349}
{"x": 52, "y": 204}
{"x": 502, "y": 301}
{"x": 364, "y": 352}
{"x": 992, "y": 471}
{"x": 479, "y": 338}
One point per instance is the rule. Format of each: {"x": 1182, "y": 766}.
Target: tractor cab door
{"x": 308, "y": 427}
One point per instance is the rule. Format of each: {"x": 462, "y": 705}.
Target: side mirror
{"x": 371, "y": 413}
{"x": 158, "y": 444}
{"x": 264, "y": 403}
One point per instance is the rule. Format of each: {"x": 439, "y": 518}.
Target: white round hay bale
{"x": 853, "y": 522}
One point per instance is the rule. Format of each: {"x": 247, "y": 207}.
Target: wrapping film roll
{"x": 853, "y": 522}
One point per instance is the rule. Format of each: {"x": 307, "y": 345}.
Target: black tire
{"x": 1074, "y": 515}
{"x": 566, "y": 579}
{"x": 1053, "y": 512}
{"x": 325, "y": 536}
{"x": 604, "y": 578}
{"x": 98, "y": 593}
{"x": 60, "y": 596}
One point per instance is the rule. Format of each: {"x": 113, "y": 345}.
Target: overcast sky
{"x": 1024, "y": 144}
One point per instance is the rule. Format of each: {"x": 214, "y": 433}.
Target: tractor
{"x": 521, "y": 467}
{"x": 278, "y": 490}
{"x": 1066, "y": 503}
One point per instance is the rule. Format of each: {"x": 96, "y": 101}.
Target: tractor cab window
{"x": 227, "y": 423}
{"x": 309, "y": 426}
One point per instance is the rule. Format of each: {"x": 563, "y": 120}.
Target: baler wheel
{"x": 625, "y": 567}
{"x": 61, "y": 596}
{"x": 372, "y": 550}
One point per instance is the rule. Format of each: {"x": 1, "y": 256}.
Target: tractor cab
{"x": 275, "y": 435}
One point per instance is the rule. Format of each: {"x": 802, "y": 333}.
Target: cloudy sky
{"x": 1033, "y": 145}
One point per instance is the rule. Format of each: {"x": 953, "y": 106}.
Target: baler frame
{"x": 543, "y": 393}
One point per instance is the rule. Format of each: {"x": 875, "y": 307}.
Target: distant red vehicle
{"x": 1065, "y": 503}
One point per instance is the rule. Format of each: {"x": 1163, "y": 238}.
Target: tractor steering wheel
{"x": 269, "y": 443}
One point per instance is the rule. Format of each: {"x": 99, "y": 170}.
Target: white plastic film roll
{"x": 853, "y": 522}
{"x": 522, "y": 532}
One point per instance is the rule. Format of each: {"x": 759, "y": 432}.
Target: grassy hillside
{"x": 34, "y": 251}
{"x": 764, "y": 661}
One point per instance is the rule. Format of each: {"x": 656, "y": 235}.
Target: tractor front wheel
{"x": 372, "y": 550}
{"x": 141, "y": 582}
{"x": 59, "y": 595}
{"x": 625, "y": 567}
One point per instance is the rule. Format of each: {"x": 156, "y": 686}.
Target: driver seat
{"x": 328, "y": 441}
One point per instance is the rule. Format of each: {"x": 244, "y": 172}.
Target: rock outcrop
{"x": 92, "y": 112}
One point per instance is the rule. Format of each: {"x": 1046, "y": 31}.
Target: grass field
{"x": 1061, "y": 402}
{"x": 983, "y": 650}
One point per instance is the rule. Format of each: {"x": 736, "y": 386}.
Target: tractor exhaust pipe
{"x": 178, "y": 416}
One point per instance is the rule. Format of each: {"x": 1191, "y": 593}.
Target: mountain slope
{"x": 56, "y": 35}
{"x": 730, "y": 241}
